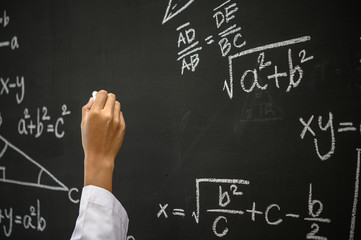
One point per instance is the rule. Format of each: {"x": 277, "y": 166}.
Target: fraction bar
{"x": 272, "y": 45}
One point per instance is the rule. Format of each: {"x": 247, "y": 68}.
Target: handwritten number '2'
{"x": 45, "y": 116}
{"x": 312, "y": 235}
{"x": 261, "y": 62}
{"x": 302, "y": 55}
{"x": 234, "y": 189}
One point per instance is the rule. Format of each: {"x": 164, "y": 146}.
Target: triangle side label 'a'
{"x": 173, "y": 9}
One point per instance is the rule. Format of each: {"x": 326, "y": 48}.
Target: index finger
{"x": 100, "y": 100}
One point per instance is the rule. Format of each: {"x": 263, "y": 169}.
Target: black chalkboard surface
{"x": 243, "y": 117}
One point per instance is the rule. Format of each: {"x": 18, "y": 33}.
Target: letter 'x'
{"x": 307, "y": 127}
{"x": 162, "y": 211}
{"x": 5, "y": 86}
{"x": 328, "y": 126}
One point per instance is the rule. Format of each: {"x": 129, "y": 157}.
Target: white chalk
{"x": 94, "y": 94}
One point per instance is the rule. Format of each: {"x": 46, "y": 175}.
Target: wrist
{"x": 98, "y": 172}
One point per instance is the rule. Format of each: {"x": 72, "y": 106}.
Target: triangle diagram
{"x": 16, "y": 167}
{"x": 174, "y": 8}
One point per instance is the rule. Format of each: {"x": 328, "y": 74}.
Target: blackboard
{"x": 243, "y": 117}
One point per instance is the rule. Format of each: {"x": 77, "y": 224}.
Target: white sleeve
{"x": 101, "y": 216}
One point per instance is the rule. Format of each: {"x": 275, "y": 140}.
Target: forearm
{"x": 103, "y": 129}
{"x": 101, "y": 215}
{"x": 99, "y": 174}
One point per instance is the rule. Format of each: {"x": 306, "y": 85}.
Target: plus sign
{"x": 276, "y": 75}
{"x": 31, "y": 126}
{"x": 253, "y": 211}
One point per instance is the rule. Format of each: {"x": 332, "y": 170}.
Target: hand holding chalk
{"x": 103, "y": 130}
{"x": 94, "y": 94}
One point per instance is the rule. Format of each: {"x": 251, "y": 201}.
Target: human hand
{"x": 103, "y": 129}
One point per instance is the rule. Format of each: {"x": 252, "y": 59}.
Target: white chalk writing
{"x": 231, "y": 37}
{"x": 326, "y": 125}
{"x": 40, "y": 174}
{"x": 249, "y": 78}
{"x": 33, "y": 220}
{"x": 17, "y": 85}
{"x": 189, "y": 54}
{"x": 44, "y": 123}
{"x": 174, "y": 8}
{"x": 230, "y": 190}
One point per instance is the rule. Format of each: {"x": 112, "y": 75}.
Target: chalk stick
{"x": 94, "y": 94}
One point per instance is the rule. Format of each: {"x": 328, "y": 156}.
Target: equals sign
{"x": 178, "y": 212}
{"x": 50, "y": 128}
{"x": 346, "y": 127}
{"x": 209, "y": 40}
{"x": 18, "y": 220}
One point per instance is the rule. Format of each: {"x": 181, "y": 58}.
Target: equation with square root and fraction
{"x": 228, "y": 191}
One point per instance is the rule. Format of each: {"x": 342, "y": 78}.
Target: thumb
{"x": 86, "y": 108}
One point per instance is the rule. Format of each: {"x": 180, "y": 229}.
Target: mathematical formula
{"x": 250, "y": 80}
{"x": 326, "y": 125}
{"x": 231, "y": 190}
{"x": 14, "y": 86}
{"x": 273, "y": 214}
{"x": 33, "y": 122}
{"x": 31, "y": 220}
{"x": 11, "y": 85}
{"x": 43, "y": 123}
{"x": 228, "y": 37}
{"x": 12, "y": 42}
